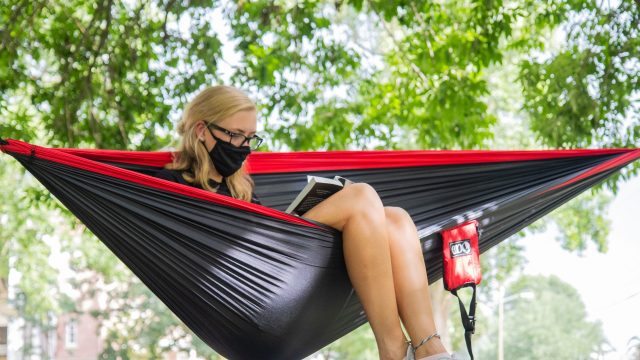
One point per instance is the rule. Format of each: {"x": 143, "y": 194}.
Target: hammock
{"x": 254, "y": 282}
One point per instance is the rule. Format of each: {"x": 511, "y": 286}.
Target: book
{"x": 318, "y": 188}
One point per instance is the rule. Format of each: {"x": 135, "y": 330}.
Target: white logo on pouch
{"x": 460, "y": 248}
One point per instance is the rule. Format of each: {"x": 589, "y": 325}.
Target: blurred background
{"x": 327, "y": 75}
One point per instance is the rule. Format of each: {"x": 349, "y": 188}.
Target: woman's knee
{"x": 364, "y": 198}
{"x": 397, "y": 216}
{"x": 399, "y": 225}
{"x": 356, "y": 199}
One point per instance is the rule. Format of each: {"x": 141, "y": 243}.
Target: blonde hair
{"x": 211, "y": 105}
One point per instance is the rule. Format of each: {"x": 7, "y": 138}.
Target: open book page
{"x": 343, "y": 181}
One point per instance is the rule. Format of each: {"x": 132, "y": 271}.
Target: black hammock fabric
{"x": 256, "y": 283}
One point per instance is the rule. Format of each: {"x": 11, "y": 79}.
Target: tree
{"x": 116, "y": 75}
{"x": 549, "y": 325}
{"x": 634, "y": 348}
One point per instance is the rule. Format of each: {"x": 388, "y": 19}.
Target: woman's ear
{"x": 200, "y": 129}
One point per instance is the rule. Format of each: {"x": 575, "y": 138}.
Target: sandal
{"x": 411, "y": 354}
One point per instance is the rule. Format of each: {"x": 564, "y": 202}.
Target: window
{"x": 71, "y": 334}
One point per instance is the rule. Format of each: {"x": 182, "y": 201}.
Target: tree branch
{"x": 425, "y": 27}
{"x": 403, "y": 55}
{"x": 12, "y": 20}
{"x": 104, "y": 35}
{"x": 165, "y": 36}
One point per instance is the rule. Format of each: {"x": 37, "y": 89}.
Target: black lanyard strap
{"x": 468, "y": 320}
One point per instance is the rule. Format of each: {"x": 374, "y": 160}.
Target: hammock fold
{"x": 254, "y": 282}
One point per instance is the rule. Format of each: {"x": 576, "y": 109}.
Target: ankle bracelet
{"x": 426, "y": 339}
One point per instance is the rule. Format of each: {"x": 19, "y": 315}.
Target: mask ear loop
{"x": 213, "y": 136}
{"x": 202, "y": 141}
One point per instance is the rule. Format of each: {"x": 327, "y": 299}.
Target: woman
{"x": 380, "y": 243}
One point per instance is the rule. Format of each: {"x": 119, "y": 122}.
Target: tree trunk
{"x": 5, "y": 313}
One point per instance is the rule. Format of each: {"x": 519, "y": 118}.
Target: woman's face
{"x": 242, "y": 122}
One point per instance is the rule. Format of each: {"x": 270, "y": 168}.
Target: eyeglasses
{"x": 239, "y": 139}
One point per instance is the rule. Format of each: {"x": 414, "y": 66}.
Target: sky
{"x": 609, "y": 283}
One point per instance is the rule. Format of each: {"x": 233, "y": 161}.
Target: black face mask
{"x": 227, "y": 158}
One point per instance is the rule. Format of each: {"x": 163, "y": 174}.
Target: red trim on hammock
{"x": 335, "y": 160}
{"x": 71, "y": 159}
{"x": 282, "y": 162}
{"x": 622, "y": 160}
{"x": 260, "y": 162}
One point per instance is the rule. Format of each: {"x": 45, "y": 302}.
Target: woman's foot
{"x": 431, "y": 347}
{"x": 395, "y": 352}
{"x": 442, "y": 356}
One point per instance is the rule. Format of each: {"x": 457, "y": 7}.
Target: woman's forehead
{"x": 242, "y": 121}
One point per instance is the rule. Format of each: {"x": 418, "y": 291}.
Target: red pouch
{"x": 461, "y": 256}
{"x": 462, "y": 268}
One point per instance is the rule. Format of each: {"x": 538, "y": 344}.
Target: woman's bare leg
{"x": 358, "y": 212}
{"x": 411, "y": 282}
